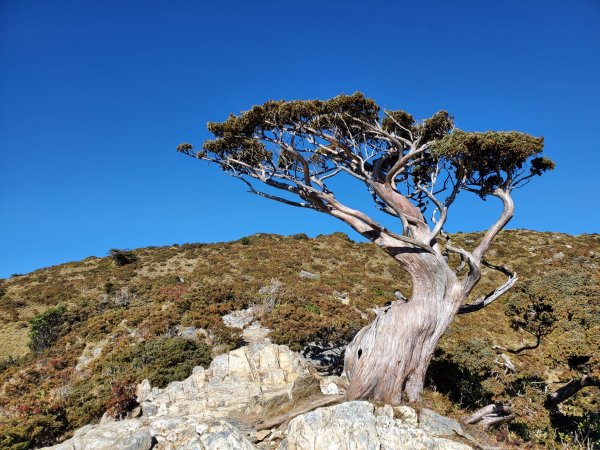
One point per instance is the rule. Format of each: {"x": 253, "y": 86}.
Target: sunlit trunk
{"x": 387, "y": 360}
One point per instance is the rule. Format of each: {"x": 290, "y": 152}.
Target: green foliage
{"x": 267, "y": 137}
{"x": 236, "y": 136}
{"x": 299, "y": 237}
{"x": 378, "y": 291}
{"x": 109, "y": 287}
{"x": 36, "y": 427}
{"x": 245, "y": 240}
{"x": 164, "y": 359}
{"x": 8, "y": 362}
{"x": 311, "y": 307}
{"x": 44, "y": 328}
{"x": 494, "y": 159}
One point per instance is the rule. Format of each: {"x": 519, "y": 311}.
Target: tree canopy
{"x": 296, "y": 146}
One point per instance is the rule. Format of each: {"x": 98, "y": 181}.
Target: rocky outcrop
{"x": 244, "y": 381}
{"x": 223, "y": 406}
{"x": 163, "y": 432}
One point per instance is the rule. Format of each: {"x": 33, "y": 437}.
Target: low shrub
{"x": 44, "y": 328}
{"x": 122, "y": 257}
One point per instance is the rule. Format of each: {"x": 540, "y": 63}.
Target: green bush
{"x": 122, "y": 257}
{"x": 167, "y": 359}
{"x": 44, "y": 328}
{"x": 461, "y": 374}
{"x": 112, "y": 386}
{"x": 300, "y": 237}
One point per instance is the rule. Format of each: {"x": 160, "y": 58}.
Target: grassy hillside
{"x": 101, "y": 325}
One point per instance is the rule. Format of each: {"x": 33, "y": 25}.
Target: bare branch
{"x": 443, "y": 213}
{"x": 491, "y": 415}
{"x": 570, "y": 389}
{"x": 507, "y": 214}
{"x": 252, "y": 190}
{"x": 487, "y": 299}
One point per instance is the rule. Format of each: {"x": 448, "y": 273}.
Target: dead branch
{"x": 492, "y": 415}
{"x": 285, "y": 418}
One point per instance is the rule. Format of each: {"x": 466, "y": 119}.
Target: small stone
{"x": 309, "y": 275}
{"x": 438, "y": 425}
{"x": 239, "y": 319}
{"x": 262, "y": 435}
{"x": 559, "y": 255}
{"x": 342, "y": 297}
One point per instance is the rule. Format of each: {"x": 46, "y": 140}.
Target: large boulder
{"x": 359, "y": 425}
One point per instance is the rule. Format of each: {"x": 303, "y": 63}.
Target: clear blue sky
{"x": 95, "y": 96}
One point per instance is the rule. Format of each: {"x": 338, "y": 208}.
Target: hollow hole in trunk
{"x": 359, "y": 352}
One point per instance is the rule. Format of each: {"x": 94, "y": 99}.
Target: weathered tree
{"x": 410, "y": 168}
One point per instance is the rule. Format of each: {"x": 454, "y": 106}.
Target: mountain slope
{"x": 104, "y": 324}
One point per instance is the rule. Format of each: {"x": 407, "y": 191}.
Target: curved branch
{"x": 491, "y": 415}
{"x": 489, "y": 298}
{"x": 443, "y": 214}
{"x": 507, "y": 214}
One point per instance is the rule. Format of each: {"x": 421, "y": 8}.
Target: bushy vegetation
{"x": 122, "y": 257}
{"x": 136, "y": 313}
{"x": 45, "y": 328}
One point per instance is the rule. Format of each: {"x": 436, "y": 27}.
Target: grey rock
{"x": 90, "y": 353}
{"x": 309, "y": 275}
{"x": 140, "y": 440}
{"x": 160, "y": 433}
{"x": 359, "y": 425}
{"x": 271, "y": 290}
{"x": 438, "y": 425}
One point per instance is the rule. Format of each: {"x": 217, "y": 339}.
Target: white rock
{"x": 406, "y": 415}
{"x": 240, "y": 381}
{"x": 239, "y": 319}
{"x": 330, "y": 389}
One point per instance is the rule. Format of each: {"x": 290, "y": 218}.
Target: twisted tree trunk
{"x": 388, "y": 359}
